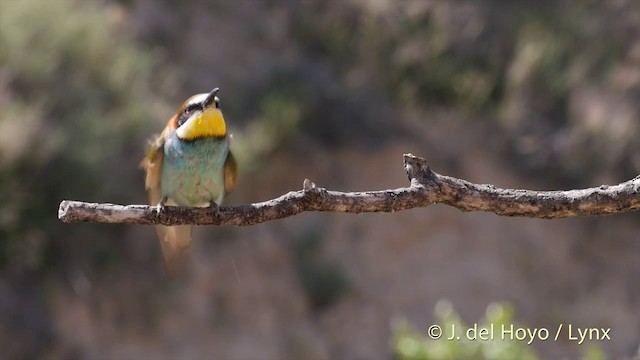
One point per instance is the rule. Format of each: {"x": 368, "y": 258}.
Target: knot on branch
{"x": 418, "y": 170}
{"x": 308, "y": 185}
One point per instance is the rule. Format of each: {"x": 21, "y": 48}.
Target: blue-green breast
{"x": 193, "y": 171}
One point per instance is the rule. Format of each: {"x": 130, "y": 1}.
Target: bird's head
{"x": 200, "y": 117}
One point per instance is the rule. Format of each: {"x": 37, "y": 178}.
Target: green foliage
{"x": 279, "y": 113}
{"x": 75, "y": 95}
{"x": 594, "y": 352}
{"x": 409, "y": 344}
{"x": 426, "y": 69}
{"x": 411, "y": 54}
{"x": 517, "y": 68}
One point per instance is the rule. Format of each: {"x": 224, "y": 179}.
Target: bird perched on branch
{"x": 189, "y": 164}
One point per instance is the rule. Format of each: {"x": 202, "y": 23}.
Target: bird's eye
{"x": 216, "y": 102}
{"x": 187, "y": 113}
{"x": 190, "y": 108}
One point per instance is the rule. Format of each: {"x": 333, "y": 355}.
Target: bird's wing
{"x": 230, "y": 173}
{"x": 175, "y": 241}
{"x": 152, "y": 164}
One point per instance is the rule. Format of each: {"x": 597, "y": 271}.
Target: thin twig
{"x": 427, "y": 187}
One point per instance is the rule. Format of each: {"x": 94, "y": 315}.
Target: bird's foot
{"x": 215, "y": 207}
{"x": 160, "y": 206}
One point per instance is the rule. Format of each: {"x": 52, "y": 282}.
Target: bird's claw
{"x": 160, "y": 206}
{"x": 215, "y": 207}
{"x": 308, "y": 185}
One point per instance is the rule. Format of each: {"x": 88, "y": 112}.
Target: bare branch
{"x": 427, "y": 188}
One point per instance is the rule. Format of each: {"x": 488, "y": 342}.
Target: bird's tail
{"x": 176, "y": 243}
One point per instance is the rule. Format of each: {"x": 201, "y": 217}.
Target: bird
{"x": 189, "y": 164}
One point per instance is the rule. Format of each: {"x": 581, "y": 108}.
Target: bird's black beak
{"x": 210, "y": 98}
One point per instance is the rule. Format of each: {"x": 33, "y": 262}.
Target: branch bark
{"x": 426, "y": 188}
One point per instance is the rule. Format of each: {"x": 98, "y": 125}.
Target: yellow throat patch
{"x": 207, "y": 123}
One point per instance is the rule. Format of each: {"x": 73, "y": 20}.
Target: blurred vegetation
{"x": 84, "y": 84}
{"x": 75, "y": 94}
{"x": 409, "y": 344}
{"x": 523, "y": 70}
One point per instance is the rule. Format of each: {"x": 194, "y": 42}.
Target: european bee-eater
{"x": 189, "y": 164}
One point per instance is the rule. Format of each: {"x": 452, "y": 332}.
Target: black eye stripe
{"x": 184, "y": 116}
{"x": 192, "y": 107}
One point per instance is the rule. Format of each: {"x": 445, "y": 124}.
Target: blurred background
{"x": 528, "y": 94}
